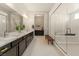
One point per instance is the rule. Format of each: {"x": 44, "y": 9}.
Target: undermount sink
{"x": 13, "y": 34}
{"x": 7, "y": 38}
{"x": 10, "y": 35}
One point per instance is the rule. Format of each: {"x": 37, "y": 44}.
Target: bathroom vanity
{"x": 15, "y": 46}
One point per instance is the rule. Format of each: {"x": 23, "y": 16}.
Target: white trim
{"x": 3, "y": 13}
{"x": 60, "y": 49}
{"x": 55, "y": 7}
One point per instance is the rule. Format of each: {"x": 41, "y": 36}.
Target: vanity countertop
{"x": 12, "y": 37}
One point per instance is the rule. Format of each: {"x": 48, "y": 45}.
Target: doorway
{"x": 39, "y": 25}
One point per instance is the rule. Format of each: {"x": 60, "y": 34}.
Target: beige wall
{"x": 39, "y": 21}
{"x": 46, "y": 19}
{"x": 28, "y": 22}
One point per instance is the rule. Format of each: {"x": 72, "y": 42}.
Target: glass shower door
{"x": 60, "y": 37}
{"x": 73, "y": 40}
{"x": 61, "y": 42}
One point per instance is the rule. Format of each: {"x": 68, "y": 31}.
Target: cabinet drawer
{"x": 12, "y": 52}
{"x": 16, "y": 42}
{"x": 5, "y": 48}
{"x": 25, "y": 37}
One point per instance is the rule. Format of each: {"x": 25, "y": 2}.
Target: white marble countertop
{"x": 12, "y": 37}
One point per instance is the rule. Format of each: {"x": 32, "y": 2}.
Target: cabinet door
{"x": 4, "y": 49}
{"x": 11, "y": 52}
{"x": 32, "y": 35}
{"x": 22, "y": 47}
{"x": 28, "y": 40}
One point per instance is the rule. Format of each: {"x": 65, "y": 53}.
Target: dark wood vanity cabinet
{"x": 29, "y": 38}
{"x": 39, "y": 32}
{"x": 4, "y": 49}
{"x": 17, "y": 47}
{"x": 26, "y": 40}
{"x": 12, "y": 52}
{"x": 22, "y": 47}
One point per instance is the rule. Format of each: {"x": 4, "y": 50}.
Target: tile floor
{"x": 40, "y": 47}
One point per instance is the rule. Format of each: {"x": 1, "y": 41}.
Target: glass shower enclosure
{"x": 68, "y": 41}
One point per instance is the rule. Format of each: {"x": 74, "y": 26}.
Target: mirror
{"x": 8, "y": 22}
{"x": 3, "y": 18}
{"x": 14, "y": 20}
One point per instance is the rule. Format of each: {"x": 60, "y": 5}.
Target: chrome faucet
{"x": 4, "y": 34}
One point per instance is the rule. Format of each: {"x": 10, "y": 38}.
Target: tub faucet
{"x": 68, "y": 30}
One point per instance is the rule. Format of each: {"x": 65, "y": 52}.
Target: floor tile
{"x": 40, "y": 47}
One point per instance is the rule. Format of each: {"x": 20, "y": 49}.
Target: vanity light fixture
{"x": 10, "y": 4}
{"x": 39, "y": 15}
{"x": 76, "y": 16}
{"x": 24, "y": 15}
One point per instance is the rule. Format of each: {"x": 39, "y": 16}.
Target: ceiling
{"x": 24, "y": 8}
{"x": 38, "y": 6}
{"x": 6, "y": 8}
{"x": 34, "y": 6}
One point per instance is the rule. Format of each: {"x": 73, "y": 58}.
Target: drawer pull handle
{"x": 5, "y": 49}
